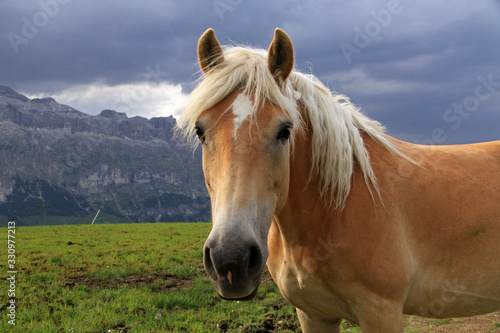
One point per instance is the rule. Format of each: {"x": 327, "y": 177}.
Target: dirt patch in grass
{"x": 489, "y": 323}
{"x": 157, "y": 282}
{"x": 269, "y": 324}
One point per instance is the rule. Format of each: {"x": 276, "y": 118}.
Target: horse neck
{"x": 304, "y": 201}
{"x": 308, "y": 212}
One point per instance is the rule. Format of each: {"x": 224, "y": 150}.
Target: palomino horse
{"x": 351, "y": 222}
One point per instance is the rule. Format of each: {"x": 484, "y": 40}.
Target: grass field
{"x": 137, "y": 278}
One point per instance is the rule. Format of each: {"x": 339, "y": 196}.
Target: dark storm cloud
{"x": 114, "y": 41}
{"x": 405, "y": 62}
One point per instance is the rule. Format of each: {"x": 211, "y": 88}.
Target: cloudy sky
{"x": 428, "y": 70}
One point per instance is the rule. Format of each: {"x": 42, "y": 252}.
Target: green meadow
{"x": 134, "y": 278}
{"x": 128, "y": 278}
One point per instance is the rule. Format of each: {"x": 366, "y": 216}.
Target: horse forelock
{"x": 336, "y": 124}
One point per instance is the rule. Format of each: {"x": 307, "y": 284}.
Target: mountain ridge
{"x": 131, "y": 168}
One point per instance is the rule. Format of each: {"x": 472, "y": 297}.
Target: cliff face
{"x": 128, "y": 167}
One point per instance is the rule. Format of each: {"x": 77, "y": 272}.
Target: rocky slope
{"x": 132, "y": 168}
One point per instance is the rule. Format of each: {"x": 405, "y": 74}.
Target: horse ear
{"x": 210, "y": 52}
{"x": 280, "y": 55}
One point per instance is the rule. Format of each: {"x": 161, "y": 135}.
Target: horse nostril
{"x": 209, "y": 266}
{"x": 255, "y": 260}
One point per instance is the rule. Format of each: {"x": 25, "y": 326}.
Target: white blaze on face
{"x": 242, "y": 108}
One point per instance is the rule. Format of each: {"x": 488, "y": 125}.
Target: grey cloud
{"x": 438, "y": 49}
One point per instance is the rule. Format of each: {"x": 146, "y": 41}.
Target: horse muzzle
{"x": 235, "y": 266}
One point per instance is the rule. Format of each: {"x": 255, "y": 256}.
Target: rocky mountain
{"x": 129, "y": 168}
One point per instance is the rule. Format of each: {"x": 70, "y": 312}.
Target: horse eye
{"x": 284, "y": 133}
{"x": 201, "y": 134}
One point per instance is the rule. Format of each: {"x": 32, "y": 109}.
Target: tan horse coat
{"x": 432, "y": 248}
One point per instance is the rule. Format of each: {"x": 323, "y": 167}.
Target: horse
{"x": 352, "y": 223}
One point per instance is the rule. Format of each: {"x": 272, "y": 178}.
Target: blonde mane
{"x": 337, "y": 142}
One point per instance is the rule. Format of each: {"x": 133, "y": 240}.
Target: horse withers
{"x": 351, "y": 222}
